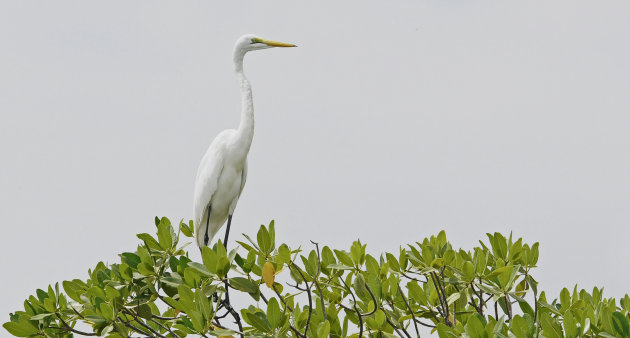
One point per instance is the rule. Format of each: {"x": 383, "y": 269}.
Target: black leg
{"x": 206, "y": 238}
{"x": 227, "y": 231}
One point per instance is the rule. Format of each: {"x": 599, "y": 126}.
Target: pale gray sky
{"x": 390, "y": 122}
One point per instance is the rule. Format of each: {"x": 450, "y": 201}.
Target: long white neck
{"x": 245, "y": 131}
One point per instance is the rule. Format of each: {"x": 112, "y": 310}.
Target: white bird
{"x": 223, "y": 169}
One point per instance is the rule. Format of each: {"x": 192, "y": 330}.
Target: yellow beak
{"x": 277, "y": 44}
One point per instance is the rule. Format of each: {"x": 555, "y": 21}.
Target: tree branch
{"x": 389, "y": 321}
{"x": 71, "y": 329}
{"x": 413, "y": 316}
{"x": 141, "y": 323}
{"x": 354, "y": 304}
{"x": 297, "y": 333}
{"x": 308, "y": 293}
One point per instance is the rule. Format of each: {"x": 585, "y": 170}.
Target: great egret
{"x": 223, "y": 169}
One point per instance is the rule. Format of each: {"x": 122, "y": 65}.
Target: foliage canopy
{"x": 484, "y": 292}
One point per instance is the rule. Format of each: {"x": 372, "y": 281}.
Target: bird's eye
{"x": 255, "y": 40}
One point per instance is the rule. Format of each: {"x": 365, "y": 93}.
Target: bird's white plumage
{"x": 223, "y": 169}
{"x": 220, "y": 180}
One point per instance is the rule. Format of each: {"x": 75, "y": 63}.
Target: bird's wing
{"x": 208, "y": 174}
{"x": 243, "y": 178}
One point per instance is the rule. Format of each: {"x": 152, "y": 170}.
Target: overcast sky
{"x": 390, "y": 122}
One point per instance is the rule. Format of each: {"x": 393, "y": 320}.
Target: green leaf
{"x": 199, "y": 268}
{"x": 165, "y": 235}
{"x": 23, "y": 328}
{"x": 525, "y": 307}
{"x": 445, "y": 331}
{"x": 247, "y": 246}
{"x": 534, "y": 254}
{"x": 469, "y": 271}
{"x": 144, "y": 311}
{"x": 264, "y": 240}
{"x": 274, "y": 315}
{"x": 150, "y": 241}
{"x": 379, "y": 316}
{"x": 41, "y": 316}
{"x": 186, "y": 230}
{"x": 489, "y": 289}
{"x": 111, "y": 292}
{"x": 372, "y": 265}
{"x": 107, "y": 311}
{"x": 131, "y": 259}
{"x": 344, "y": 258}
{"x": 452, "y": 298}
{"x": 223, "y": 333}
{"x": 416, "y": 293}
{"x": 323, "y": 329}
{"x": 475, "y": 327}
{"x": 499, "y": 246}
{"x": 185, "y": 293}
{"x": 284, "y": 254}
{"x": 620, "y": 323}
{"x": 565, "y": 299}
{"x": 499, "y": 271}
{"x": 223, "y": 267}
{"x": 393, "y": 262}
{"x": 532, "y": 283}
{"x": 357, "y": 253}
{"x": 551, "y": 329}
{"x": 570, "y": 325}
{"x": 145, "y": 269}
{"x": 258, "y": 320}
{"x": 173, "y": 281}
{"x": 521, "y": 327}
{"x": 244, "y": 284}
{"x": 203, "y": 304}
{"x": 209, "y": 258}
{"x": 272, "y": 234}
{"x": 339, "y": 267}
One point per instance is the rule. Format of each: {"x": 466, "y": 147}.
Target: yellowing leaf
{"x": 268, "y": 274}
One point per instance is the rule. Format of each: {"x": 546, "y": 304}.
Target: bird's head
{"x": 249, "y": 42}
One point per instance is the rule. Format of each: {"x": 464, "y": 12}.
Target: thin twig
{"x": 127, "y": 324}
{"x": 389, "y": 321}
{"x": 472, "y": 301}
{"x": 163, "y": 327}
{"x": 297, "y": 333}
{"x": 163, "y": 318}
{"x": 77, "y": 312}
{"x": 413, "y": 316}
{"x": 424, "y": 324}
{"x": 481, "y": 301}
{"x": 167, "y": 303}
{"x": 141, "y": 323}
{"x": 440, "y": 308}
{"x": 354, "y": 304}
{"x": 367, "y": 287}
{"x": 281, "y": 298}
{"x": 296, "y": 286}
{"x": 443, "y": 290}
{"x": 308, "y": 293}
{"x": 496, "y": 311}
{"x": 228, "y": 306}
{"x": 264, "y": 298}
{"x": 71, "y": 329}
